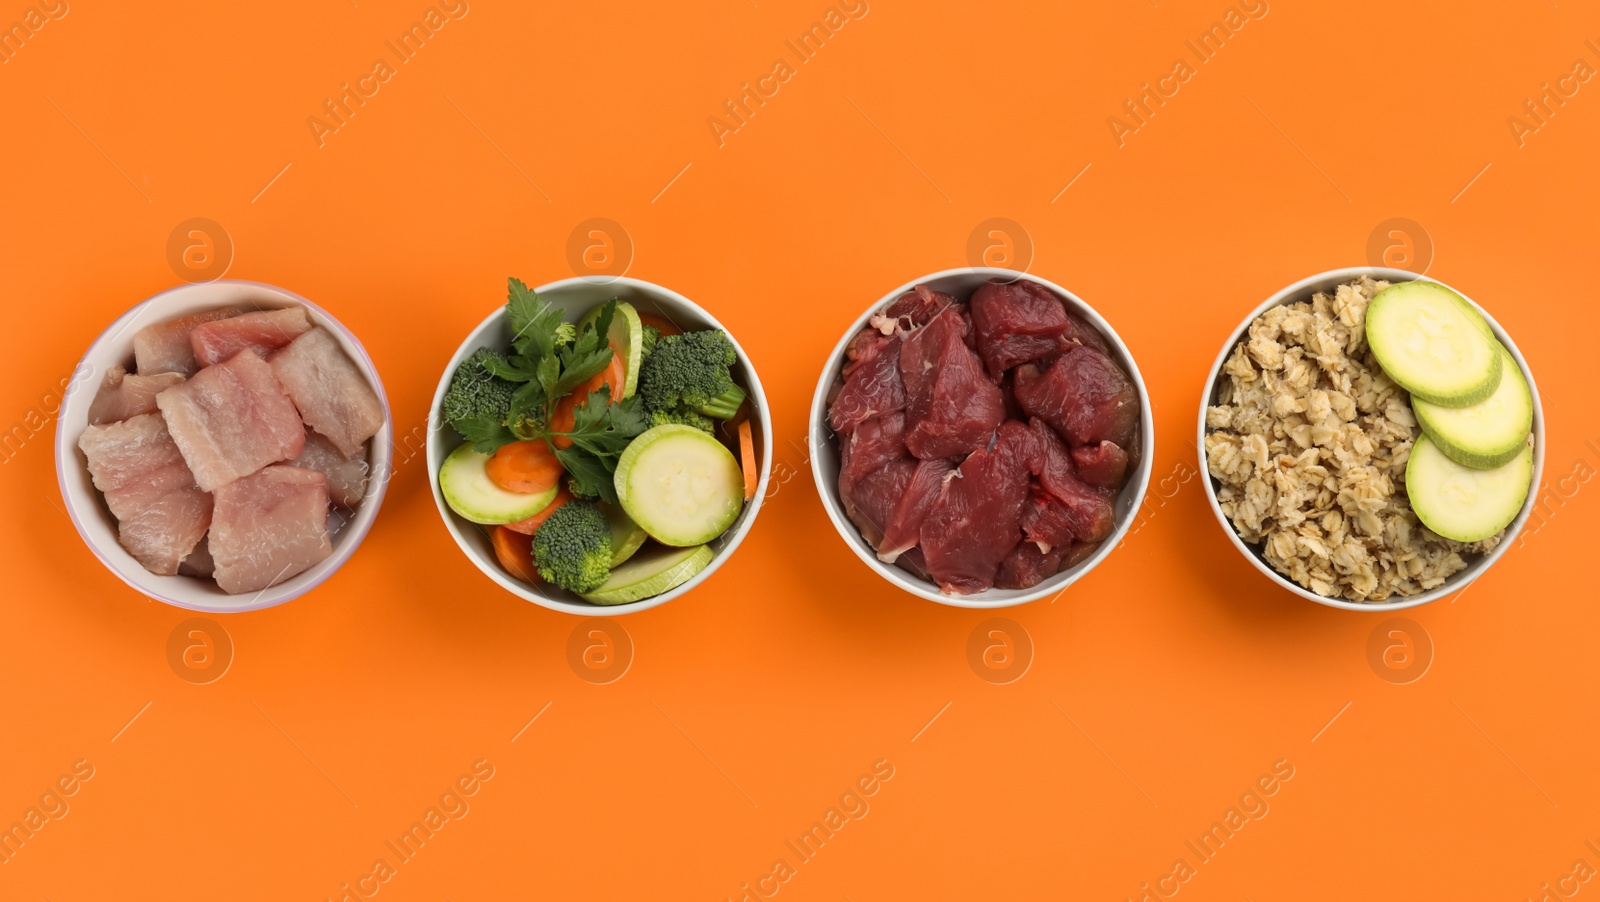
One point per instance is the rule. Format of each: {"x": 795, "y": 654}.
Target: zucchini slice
{"x": 650, "y": 574}
{"x": 680, "y": 484}
{"x": 626, "y": 337}
{"x": 470, "y": 493}
{"x": 1431, "y": 342}
{"x": 1460, "y": 502}
{"x": 1489, "y": 433}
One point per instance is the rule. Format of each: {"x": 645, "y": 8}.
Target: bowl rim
{"x": 65, "y": 448}
{"x": 492, "y": 569}
{"x": 1302, "y": 290}
{"x": 820, "y": 434}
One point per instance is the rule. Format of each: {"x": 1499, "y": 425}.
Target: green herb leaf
{"x": 590, "y": 476}
{"x": 604, "y": 429}
{"x": 486, "y": 434}
{"x": 533, "y": 321}
{"x": 515, "y": 368}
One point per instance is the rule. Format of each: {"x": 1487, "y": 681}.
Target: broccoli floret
{"x": 573, "y": 547}
{"x": 689, "y": 372}
{"x": 477, "y": 393}
{"x": 685, "y": 417}
{"x": 651, "y": 336}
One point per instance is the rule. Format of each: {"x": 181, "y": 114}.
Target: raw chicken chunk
{"x": 347, "y": 479}
{"x": 231, "y": 420}
{"x": 165, "y": 348}
{"x": 122, "y": 395}
{"x": 261, "y": 331}
{"x": 199, "y": 562}
{"x": 951, "y": 408}
{"x": 161, "y": 513}
{"x": 332, "y": 395}
{"x": 268, "y": 527}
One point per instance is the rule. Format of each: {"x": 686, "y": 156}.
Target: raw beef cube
{"x": 1101, "y": 465}
{"x": 904, "y": 527}
{"x": 347, "y": 479}
{"x": 873, "y": 497}
{"x": 1047, "y": 523}
{"x": 332, "y": 395}
{"x": 1016, "y": 322}
{"x": 122, "y": 396}
{"x": 269, "y": 526}
{"x": 231, "y": 420}
{"x": 873, "y": 444}
{"x": 1065, "y": 506}
{"x": 917, "y": 307}
{"x": 165, "y": 347}
{"x": 199, "y": 562}
{"x": 261, "y": 331}
{"x": 974, "y": 523}
{"x": 1085, "y": 396}
{"x": 911, "y": 561}
{"x": 872, "y": 388}
{"x": 951, "y": 408}
{"x": 1026, "y": 566}
{"x": 161, "y": 513}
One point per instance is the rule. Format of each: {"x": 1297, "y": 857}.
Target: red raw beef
{"x": 873, "y": 497}
{"x": 1084, "y": 395}
{"x": 873, "y": 444}
{"x": 911, "y": 561}
{"x": 904, "y": 528}
{"x": 1079, "y": 332}
{"x": 951, "y": 407}
{"x": 1101, "y": 465}
{"x": 864, "y": 348}
{"x": 1016, "y": 322}
{"x": 974, "y": 523}
{"x": 918, "y": 307}
{"x": 873, "y": 387}
{"x": 1026, "y": 566}
{"x": 1064, "y": 506}
{"x": 1076, "y": 555}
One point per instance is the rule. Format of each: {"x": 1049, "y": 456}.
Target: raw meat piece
{"x": 1016, "y": 322}
{"x": 1065, "y": 507}
{"x": 1026, "y": 566}
{"x": 1085, "y": 396}
{"x": 165, "y": 347}
{"x": 231, "y": 420}
{"x": 1101, "y": 465}
{"x": 1047, "y": 523}
{"x": 872, "y": 498}
{"x": 911, "y": 561}
{"x": 1079, "y": 332}
{"x": 261, "y": 331}
{"x": 160, "y": 512}
{"x": 332, "y": 395}
{"x": 864, "y": 348}
{"x": 873, "y": 444}
{"x": 269, "y": 526}
{"x": 974, "y": 523}
{"x": 1080, "y": 552}
{"x": 904, "y": 526}
{"x": 347, "y": 479}
{"x": 199, "y": 562}
{"x": 951, "y": 408}
{"x": 872, "y": 388}
{"x": 916, "y": 307}
{"x": 122, "y": 395}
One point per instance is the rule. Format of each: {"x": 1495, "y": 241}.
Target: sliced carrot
{"x": 664, "y": 326}
{"x": 747, "y": 459}
{"x": 564, "y": 416}
{"x": 530, "y": 525}
{"x": 523, "y": 467}
{"x": 515, "y": 551}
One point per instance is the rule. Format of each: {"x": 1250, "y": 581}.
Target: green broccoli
{"x": 685, "y": 417}
{"x": 476, "y": 393}
{"x": 573, "y": 547}
{"x": 689, "y": 372}
{"x": 651, "y": 336}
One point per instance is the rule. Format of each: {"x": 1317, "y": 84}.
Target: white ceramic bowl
{"x": 576, "y": 297}
{"x": 87, "y": 509}
{"x": 1302, "y": 291}
{"x": 825, "y": 454}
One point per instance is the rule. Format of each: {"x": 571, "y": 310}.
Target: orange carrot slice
{"x": 665, "y": 327}
{"x": 747, "y": 459}
{"x": 564, "y": 416}
{"x": 532, "y": 524}
{"x": 523, "y": 467}
{"x": 515, "y": 551}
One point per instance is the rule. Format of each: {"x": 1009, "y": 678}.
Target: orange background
{"x": 754, "y": 703}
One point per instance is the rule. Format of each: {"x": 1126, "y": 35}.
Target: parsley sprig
{"x": 549, "y": 360}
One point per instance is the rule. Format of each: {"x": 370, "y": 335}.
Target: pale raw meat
{"x": 347, "y": 479}
{"x": 332, "y": 395}
{"x": 269, "y": 526}
{"x": 231, "y": 420}
{"x": 262, "y": 331}
{"x": 161, "y": 513}
{"x": 122, "y": 395}
{"x": 199, "y": 562}
{"x": 165, "y": 348}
